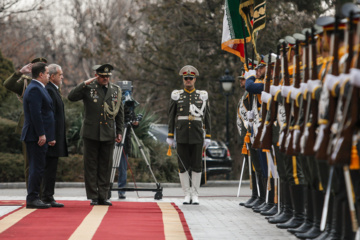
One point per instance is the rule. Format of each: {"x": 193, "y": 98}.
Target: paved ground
{"x": 218, "y": 216}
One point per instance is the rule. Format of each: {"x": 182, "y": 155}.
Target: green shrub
{"x": 10, "y": 141}
{"x": 11, "y": 167}
{"x": 70, "y": 169}
{"x": 164, "y": 167}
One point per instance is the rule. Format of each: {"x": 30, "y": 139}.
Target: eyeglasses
{"x": 188, "y": 78}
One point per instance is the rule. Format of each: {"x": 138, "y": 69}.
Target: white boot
{"x": 195, "y": 179}
{"x": 185, "y": 184}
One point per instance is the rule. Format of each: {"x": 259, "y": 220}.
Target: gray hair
{"x": 53, "y": 68}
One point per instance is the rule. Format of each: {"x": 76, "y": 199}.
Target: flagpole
{"x": 245, "y": 49}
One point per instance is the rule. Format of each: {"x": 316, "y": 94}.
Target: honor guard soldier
{"x": 102, "y": 126}
{"x": 189, "y": 114}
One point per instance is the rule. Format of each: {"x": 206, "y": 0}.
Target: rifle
{"x": 257, "y": 143}
{"x": 294, "y": 107}
{"x": 343, "y": 141}
{"x": 322, "y": 140}
{"x": 309, "y": 134}
{"x": 350, "y": 114}
{"x": 266, "y": 137}
{"x": 304, "y": 105}
{"x": 286, "y": 103}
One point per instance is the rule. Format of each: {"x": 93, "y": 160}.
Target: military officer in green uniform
{"x": 189, "y": 114}
{"x": 17, "y": 84}
{"x": 102, "y": 126}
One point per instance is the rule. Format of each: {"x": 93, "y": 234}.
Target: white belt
{"x": 190, "y": 118}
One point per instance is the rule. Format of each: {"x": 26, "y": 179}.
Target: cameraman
{"x": 129, "y": 118}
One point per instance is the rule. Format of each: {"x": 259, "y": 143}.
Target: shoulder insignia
{"x": 175, "y": 95}
{"x": 203, "y": 94}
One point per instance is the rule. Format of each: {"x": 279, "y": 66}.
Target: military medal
{"x": 95, "y": 100}
{"x": 181, "y": 109}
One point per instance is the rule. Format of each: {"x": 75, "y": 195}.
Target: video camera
{"x": 129, "y": 102}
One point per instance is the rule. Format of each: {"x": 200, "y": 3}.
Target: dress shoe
{"x": 94, "y": 202}
{"x": 122, "y": 196}
{"x": 37, "y": 203}
{"x": 105, "y": 202}
{"x": 56, "y": 204}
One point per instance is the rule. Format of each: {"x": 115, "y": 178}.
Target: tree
{"x": 6, "y": 69}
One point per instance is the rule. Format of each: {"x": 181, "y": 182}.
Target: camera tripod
{"x": 116, "y": 163}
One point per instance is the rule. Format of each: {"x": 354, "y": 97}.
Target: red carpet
{"x": 79, "y": 220}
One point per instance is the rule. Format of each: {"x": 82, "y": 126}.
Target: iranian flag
{"x": 233, "y": 37}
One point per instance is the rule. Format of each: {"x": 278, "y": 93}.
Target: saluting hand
{"x": 26, "y": 69}
{"x": 87, "y": 82}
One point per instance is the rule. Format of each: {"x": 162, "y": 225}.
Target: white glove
{"x": 206, "y": 143}
{"x": 250, "y": 73}
{"x": 171, "y": 142}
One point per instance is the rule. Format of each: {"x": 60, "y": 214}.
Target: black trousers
{"x": 36, "y": 156}
{"x": 190, "y": 157}
{"x": 48, "y": 181}
{"x": 98, "y": 159}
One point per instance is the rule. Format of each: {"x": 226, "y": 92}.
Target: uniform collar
{"x": 189, "y": 91}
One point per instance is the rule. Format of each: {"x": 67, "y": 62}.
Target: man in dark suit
{"x": 60, "y": 148}
{"x": 38, "y": 131}
{"x": 17, "y": 83}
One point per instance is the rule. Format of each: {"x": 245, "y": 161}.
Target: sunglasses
{"x": 188, "y": 78}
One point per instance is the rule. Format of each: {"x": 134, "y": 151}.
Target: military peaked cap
{"x": 188, "y": 71}
{"x": 347, "y": 8}
{"x": 290, "y": 40}
{"x": 272, "y": 59}
{"x": 104, "y": 69}
{"x": 39, "y": 59}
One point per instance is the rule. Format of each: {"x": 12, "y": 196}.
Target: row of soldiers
{"x": 299, "y": 119}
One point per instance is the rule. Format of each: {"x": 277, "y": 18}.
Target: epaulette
{"x": 115, "y": 85}
{"x": 203, "y": 94}
{"x": 175, "y": 95}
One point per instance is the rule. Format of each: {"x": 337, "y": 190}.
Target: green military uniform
{"x": 17, "y": 83}
{"x": 103, "y": 120}
{"x": 189, "y": 129}
{"x": 189, "y": 114}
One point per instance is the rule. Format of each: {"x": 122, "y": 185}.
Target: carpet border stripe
{"x": 173, "y": 224}
{"x": 14, "y": 217}
{"x": 90, "y": 224}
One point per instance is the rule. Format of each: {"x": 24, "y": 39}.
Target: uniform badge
{"x": 94, "y": 94}
{"x": 181, "y": 109}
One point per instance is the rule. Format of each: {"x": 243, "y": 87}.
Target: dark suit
{"x": 59, "y": 149}
{"x": 39, "y": 120}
